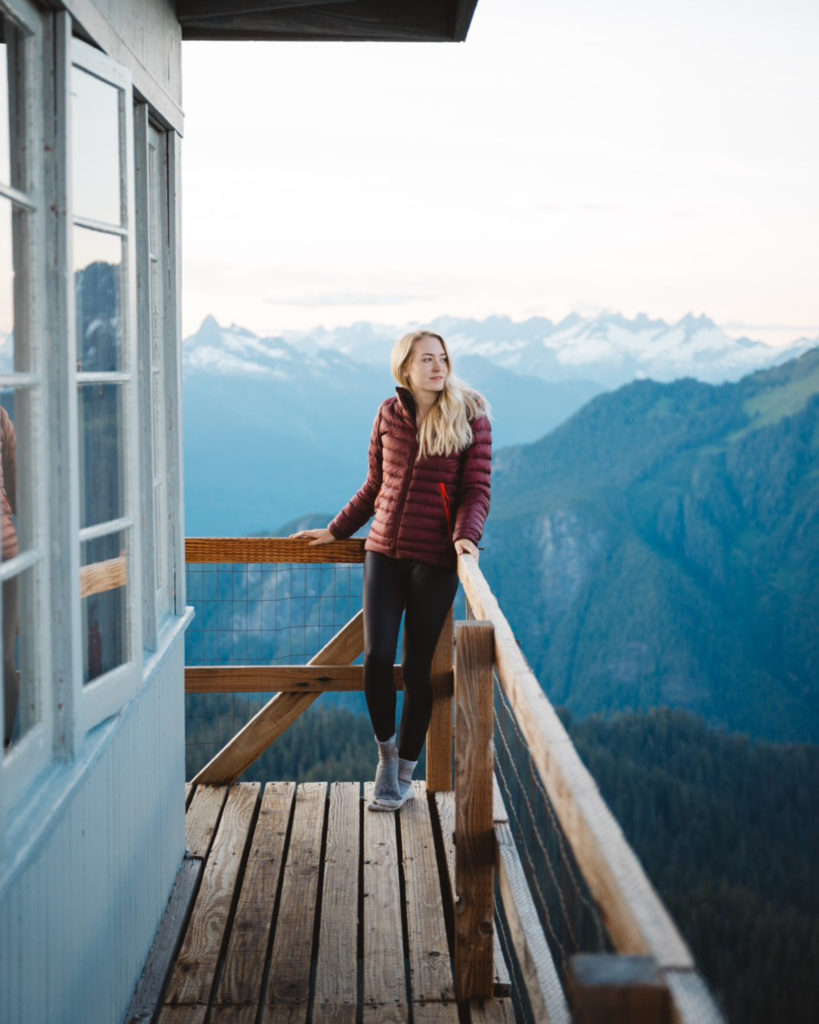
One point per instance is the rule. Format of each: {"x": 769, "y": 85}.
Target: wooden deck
{"x": 295, "y": 903}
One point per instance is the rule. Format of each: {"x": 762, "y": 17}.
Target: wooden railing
{"x": 651, "y": 976}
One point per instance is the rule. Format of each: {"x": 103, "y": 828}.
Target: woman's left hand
{"x": 463, "y": 546}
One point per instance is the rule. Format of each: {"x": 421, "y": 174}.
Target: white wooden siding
{"x": 82, "y": 899}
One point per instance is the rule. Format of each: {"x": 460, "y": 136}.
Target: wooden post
{"x": 474, "y": 818}
{"x": 617, "y": 989}
{"x": 439, "y": 734}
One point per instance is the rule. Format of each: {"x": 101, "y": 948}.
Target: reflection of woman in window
{"x": 8, "y": 489}
{"x": 428, "y": 487}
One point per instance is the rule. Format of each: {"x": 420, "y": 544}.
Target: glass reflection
{"x": 105, "y": 605}
{"x": 98, "y": 300}
{"x": 6, "y": 288}
{"x": 101, "y": 450}
{"x": 20, "y": 710}
{"x": 95, "y": 148}
{"x": 10, "y": 549}
{"x": 5, "y": 98}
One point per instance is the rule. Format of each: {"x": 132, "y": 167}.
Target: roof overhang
{"x": 350, "y": 20}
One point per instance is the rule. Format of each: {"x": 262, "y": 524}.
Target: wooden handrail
{"x": 635, "y": 917}
{"x": 255, "y": 550}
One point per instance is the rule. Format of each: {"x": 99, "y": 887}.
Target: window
{"x": 23, "y": 639}
{"x": 102, "y": 255}
{"x": 157, "y": 327}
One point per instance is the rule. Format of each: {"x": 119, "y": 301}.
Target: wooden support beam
{"x": 474, "y": 842}
{"x": 279, "y": 713}
{"x": 617, "y": 989}
{"x": 439, "y": 734}
{"x": 284, "y": 679}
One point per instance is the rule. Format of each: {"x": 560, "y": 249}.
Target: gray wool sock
{"x": 405, "y": 770}
{"x": 387, "y": 792}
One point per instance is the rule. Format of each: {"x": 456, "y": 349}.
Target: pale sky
{"x": 572, "y": 155}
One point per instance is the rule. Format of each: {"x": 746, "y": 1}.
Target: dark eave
{"x": 350, "y": 20}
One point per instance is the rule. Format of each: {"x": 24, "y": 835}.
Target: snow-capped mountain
{"x": 608, "y": 348}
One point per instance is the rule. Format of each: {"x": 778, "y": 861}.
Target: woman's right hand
{"x": 314, "y": 536}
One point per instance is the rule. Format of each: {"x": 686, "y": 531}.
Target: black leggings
{"x": 427, "y": 592}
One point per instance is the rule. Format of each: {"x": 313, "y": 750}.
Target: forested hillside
{"x": 661, "y": 548}
{"x": 728, "y": 832}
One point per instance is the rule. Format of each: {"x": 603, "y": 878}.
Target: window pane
{"x": 16, "y": 471}
{"x": 101, "y": 453}
{"x": 104, "y": 590}
{"x": 11, "y": 108}
{"x": 20, "y": 696}
{"x": 98, "y": 300}
{"x": 95, "y": 147}
{"x": 15, "y": 354}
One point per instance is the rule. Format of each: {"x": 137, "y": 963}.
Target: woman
{"x": 428, "y": 486}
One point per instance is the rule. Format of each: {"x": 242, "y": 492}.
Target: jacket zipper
{"x": 404, "y": 491}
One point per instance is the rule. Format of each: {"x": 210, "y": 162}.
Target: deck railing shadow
{"x": 538, "y": 861}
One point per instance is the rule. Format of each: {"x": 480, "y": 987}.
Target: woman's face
{"x": 428, "y": 368}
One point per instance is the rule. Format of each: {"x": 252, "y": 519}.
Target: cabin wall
{"x": 92, "y": 789}
{"x": 146, "y": 38}
{"x": 97, "y": 852}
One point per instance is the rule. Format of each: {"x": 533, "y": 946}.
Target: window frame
{"x": 156, "y": 305}
{"x": 33, "y": 750}
{"x": 105, "y": 695}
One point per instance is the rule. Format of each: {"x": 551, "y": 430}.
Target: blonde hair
{"x": 447, "y": 426}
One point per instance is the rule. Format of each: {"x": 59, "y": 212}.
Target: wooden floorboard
{"x": 429, "y": 957}
{"x": 385, "y": 989}
{"x": 312, "y": 909}
{"x": 336, "y": 991}
{"x": 243, "y": 973}
{"x": 196, "y": 965}
{"x": 287, "y": 996}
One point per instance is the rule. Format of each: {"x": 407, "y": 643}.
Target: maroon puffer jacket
{"x": 404, "y": 492}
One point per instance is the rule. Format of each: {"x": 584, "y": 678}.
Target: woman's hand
{"x": 314, "y": 536}
{"x": 463, "y": 546}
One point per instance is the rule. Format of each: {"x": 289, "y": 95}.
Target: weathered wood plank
{"x": 202, "y": 817}
{"x": 429, "y": 959}
{"x": 161, "y": 958}
{"x": 534, "y": 958}
{"x": 492, "y": 1011}
{"x": 193, "y": 976}
{"x": 445, "y": 804}
{"x": 475, "y": 848}
{"x": 243, "y": 973}
{"x": 635, "y": 917}
{"x": 691, "y": 1001}
{"x": 280, "y": 712}
{"x": 439, "y": 734}
{"x": 385, "y": 992}
{"x": 335, "y": 999}
{"x": 288, "y": 985}
{"x": 617, "y": 989}
{"x": 435, "y": 1013}
{"x": 280, "y": 678}
{"x": 192, "y": 1014}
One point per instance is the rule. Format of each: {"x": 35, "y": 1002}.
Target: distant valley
{"x": 652, "y": 545}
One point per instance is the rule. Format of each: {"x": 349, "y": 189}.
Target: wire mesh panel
{"x": 257, "y": 614}
{"x": 569, "y": 916}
